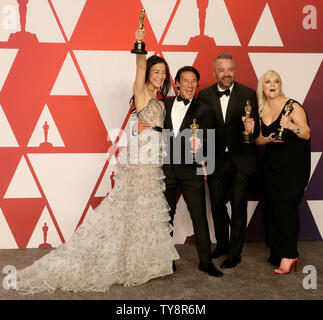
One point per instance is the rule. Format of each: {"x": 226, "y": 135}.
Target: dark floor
{"x": 253, "y": 279}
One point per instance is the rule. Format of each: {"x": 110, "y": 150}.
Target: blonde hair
{"x": 262, "y": 101}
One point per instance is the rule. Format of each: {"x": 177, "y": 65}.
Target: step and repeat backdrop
{"x": 66, "y": 76}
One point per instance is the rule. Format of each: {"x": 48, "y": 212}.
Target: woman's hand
{"x": 271, "y": 138}
{"x": 140, "y": 34}
{"x": 142, "y": 125}
{"x": 286, "y": 123}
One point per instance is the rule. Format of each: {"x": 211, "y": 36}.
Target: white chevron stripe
{"x": 266, "y": 33}
{"x": 316, "y": 207}
{"x": 289, "y": 66}
{"x": 68, "y": 13}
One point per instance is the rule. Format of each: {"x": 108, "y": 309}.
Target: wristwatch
{"x": 298, "y": 130}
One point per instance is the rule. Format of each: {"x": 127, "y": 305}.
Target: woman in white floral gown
{"x": 127, "y": 239}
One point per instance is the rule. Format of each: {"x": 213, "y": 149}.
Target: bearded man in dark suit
{"x": 235, "y": 162}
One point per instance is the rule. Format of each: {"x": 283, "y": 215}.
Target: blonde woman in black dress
{"x": 285, "y": 169}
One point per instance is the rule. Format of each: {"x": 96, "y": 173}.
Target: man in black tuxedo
{"x": 179, "y": 170}
{"x": 235, "y": 161}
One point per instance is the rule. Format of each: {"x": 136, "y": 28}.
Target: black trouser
{"x": 227, "y": 184}
{"x": 193, "y": 190}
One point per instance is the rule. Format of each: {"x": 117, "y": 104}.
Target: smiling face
{"x": 225, "y": 73}
{"x": 187, "y": 84}
{"x": 157, "y": 76}
{"x": 271, "y": 85}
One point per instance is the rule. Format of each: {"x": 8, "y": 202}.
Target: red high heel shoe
{"x": 281, "y": 270}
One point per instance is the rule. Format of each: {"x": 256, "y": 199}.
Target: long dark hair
{"x": 163, "y": 91}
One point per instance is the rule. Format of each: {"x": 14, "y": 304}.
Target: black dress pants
{"x": 193, "y": 190}
{"x": 228, "y": 184}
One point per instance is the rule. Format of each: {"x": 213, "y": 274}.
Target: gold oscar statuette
{"x": 194, "y": 128}
{"x": 287, "y": 111}
{"x": 246, "y": 136}
{"x": 139, "y": 46}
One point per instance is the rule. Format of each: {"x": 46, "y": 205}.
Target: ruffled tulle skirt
{"x": 126, "y": 240}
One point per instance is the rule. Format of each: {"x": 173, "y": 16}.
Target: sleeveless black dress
{"x": 286, "y": 170}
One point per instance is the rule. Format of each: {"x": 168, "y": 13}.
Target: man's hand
{"x": 195, "y": 143}
{"x": 249, "y": 124}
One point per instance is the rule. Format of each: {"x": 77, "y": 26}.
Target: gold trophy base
{"x": 139, "y": 48}
{"x": 246, "y": 137}
{"x": 279, "y": 135}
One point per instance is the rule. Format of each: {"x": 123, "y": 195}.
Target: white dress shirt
{"x": 224, "y": 101}
{"x": 178, "y": 113}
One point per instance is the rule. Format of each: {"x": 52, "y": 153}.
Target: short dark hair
{"x": 224, "y": 56}
{"x": 184, "y": 69}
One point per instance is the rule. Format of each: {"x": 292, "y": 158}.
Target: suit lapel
{"x": 168, "y": 118}
{"x": 233, "y": 101}
{"x": 216, "y": 105}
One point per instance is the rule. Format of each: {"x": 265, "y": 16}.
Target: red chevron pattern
{"x": 66, "y": 78}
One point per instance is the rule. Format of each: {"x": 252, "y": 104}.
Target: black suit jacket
{"x": 204, "y": 118}
{"x": 228, "y": 130}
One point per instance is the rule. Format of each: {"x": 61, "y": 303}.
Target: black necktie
{"x": 180, "y": 98}
{"x": 221, "y": 93}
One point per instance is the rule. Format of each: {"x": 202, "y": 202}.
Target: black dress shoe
{"x": 231, "y": 262}
{"x": 174, "y": 266}
{"x": 217, "y": 252}
{"x": 210, "y": 269}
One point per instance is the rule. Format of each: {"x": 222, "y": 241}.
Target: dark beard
{"x": 221, "y": 84}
